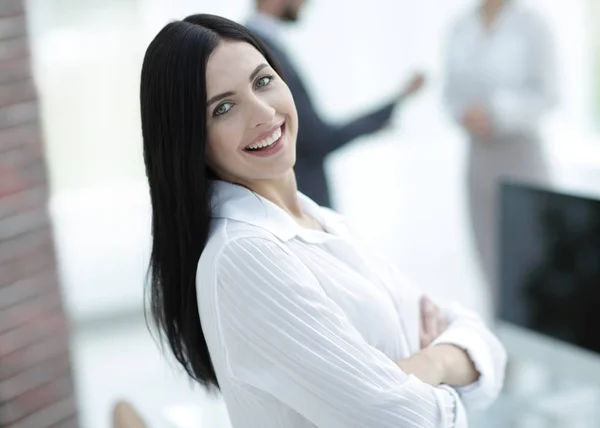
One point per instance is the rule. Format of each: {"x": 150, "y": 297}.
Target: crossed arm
{"x": 286, "y": 338}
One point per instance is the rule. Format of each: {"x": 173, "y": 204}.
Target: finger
{"x": 442, "y": 322}
{"x": 423, "y": 336}
{"x": 439, "y": 320}
{"x": 424, "y": 312}
{"x": 430, "y": 317}
{"x": 424, "y": 341}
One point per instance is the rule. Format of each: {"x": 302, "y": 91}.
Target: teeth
{"x": 266, "y": 142}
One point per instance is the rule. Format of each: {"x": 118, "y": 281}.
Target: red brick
{"x": 32, "y": 253}
{"x": 11, "y": 7}
{"x": 24, "y": 245}
{"x": 22, "y": 156}
{"x": 17, "y": 339}
{"x": 44, "y": 304}
{"x": 37, "y": 399}
{"x": 16, "y": 179}
{"x": 11, "y": 227}
{"x": 17, "y": 92}
{"x": 14, "y": 69}
{"x": 34, "y": 377}
{"x": 24, "y": 289}
{"x": 50, "y": 416}
{"x": 14, "y": 48}
{"x": 19, "y": 136}
{"x": 13, "y": 26}
{"x": 31, "y": 199}
{"x": 18, "y": 114}
{"x": 70, "y": 422}
{"x": 34, "y": 354}
{"x": 36, "y": 388}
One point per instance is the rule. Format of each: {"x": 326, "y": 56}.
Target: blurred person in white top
{"x": 500, "y": 80}
{"x": 262, "y": 293}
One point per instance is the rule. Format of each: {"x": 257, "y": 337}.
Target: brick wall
{"x": 36, "y": 387}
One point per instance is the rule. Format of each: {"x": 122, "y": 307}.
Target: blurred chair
{"x": 125, "y": 416}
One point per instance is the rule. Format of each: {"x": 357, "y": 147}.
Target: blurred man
{"x": 316, "y": 138}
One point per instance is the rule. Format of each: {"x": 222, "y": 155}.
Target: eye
{"x": 263, "y": 81}
{"x": 222, "y": 109}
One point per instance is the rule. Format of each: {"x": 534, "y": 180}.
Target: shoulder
{"x": 250, "y": 263}
{"x": 226, "y": 236}
{"x": 233, "y": 251}
{"x": 462, "y": 22}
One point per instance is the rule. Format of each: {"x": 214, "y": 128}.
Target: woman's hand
{"x": 441, "y": 364}
{"x": 477, "y": 122}
{"x": 444, "y": 363}
{"x": 433, "y": 322}
{"x": 457, "y": 367}
{"x": 426, "y": 367}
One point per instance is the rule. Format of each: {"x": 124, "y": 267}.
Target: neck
{"x": 283, "y": 192}
{"x": 492, "y": 7}
{"x": 490, "y": 11}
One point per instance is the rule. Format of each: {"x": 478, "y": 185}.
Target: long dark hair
{"x": 173, "y": 107}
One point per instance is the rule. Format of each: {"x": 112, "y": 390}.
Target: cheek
{"x": 223, "y": 142}
{"x": 283, "y": 102}
{"x": 289, "y": 109}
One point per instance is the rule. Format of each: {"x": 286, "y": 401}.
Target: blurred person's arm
{"x": 516, "y": 110}
{"x": 340, "y": 135}
{"x": 318, "y": 138}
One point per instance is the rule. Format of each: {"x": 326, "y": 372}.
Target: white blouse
{"x": 305, "y": 327}
{"x": 510, "y": 68}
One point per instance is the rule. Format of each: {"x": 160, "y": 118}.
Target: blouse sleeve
{"x": 465, "y": 330}
{"x": 286, "y": 338}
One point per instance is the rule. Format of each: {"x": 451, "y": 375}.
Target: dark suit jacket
{"x": 316, "y": 138}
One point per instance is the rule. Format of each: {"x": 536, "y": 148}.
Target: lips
{"x": 267, "y": 141}
{"x": 270, "y": 144}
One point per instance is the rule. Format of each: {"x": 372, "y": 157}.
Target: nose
{"x": 261, "y": 112}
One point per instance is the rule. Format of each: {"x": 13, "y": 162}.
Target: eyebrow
{"x": 230, "y": 93}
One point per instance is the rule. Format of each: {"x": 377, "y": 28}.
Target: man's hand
{"x": 477, "y": 122}
{"x": 414, "y": 85}
{"x": 433, "y": 322}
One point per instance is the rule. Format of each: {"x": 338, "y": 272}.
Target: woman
{"x": 500, "y": 81}
{"x": 260, "y": 292}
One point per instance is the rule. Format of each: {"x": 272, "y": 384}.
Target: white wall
{"x": 402, "y": 189}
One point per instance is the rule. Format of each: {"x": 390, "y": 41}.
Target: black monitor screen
{"x": 550, "y": 263}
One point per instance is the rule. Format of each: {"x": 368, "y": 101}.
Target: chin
{"x": 283, "y": 168}
{"x": 290, "y": 15}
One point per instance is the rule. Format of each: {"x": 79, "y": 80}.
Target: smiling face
{"x": 251, "y": 116}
